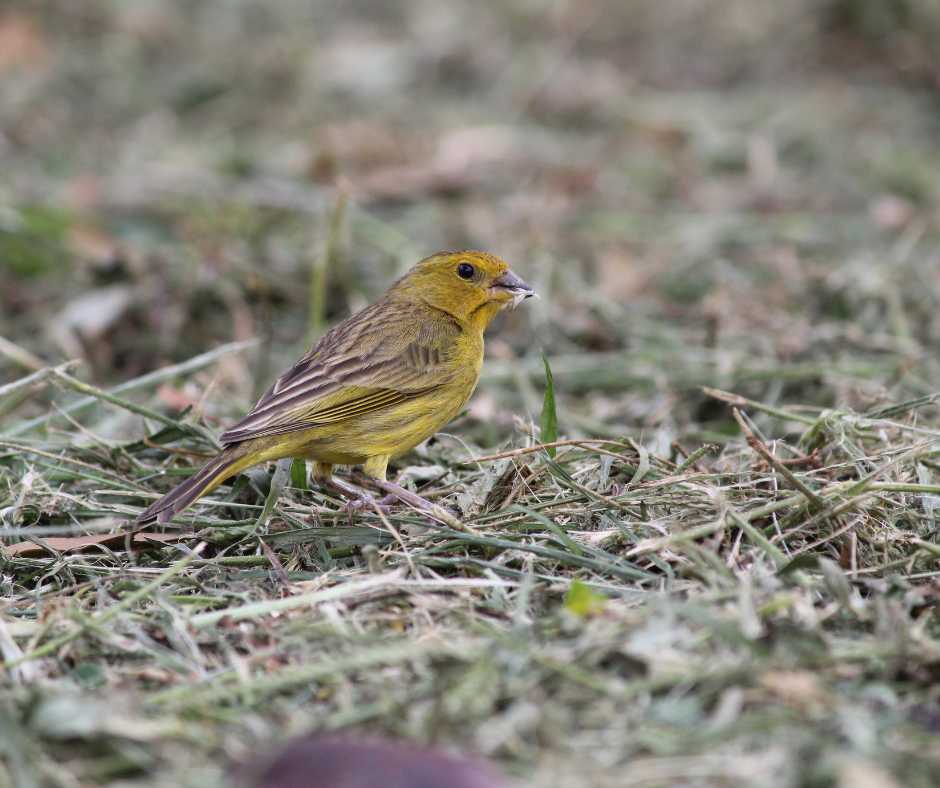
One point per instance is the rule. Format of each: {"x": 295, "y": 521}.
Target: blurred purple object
{"x": 347, "y": 762}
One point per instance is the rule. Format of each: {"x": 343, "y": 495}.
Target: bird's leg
{"x": 375, "y": 468}
{"x": 322, "y": 471}
{"x": 357, "y": 497}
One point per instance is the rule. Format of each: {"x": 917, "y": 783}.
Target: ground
{"x": 726, "y": 570}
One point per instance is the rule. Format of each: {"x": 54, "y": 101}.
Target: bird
{"x": 375, "y": 386}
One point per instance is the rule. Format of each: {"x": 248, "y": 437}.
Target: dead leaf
{"x": 80, "y": 544}
{"x": 506, "y": 486}
{"x": 21, "y": 42}
{"x": 891, "y": 212}
{"x": 87, "y": 317}
{"x": 460, "y": 160}
{"x": 176, "y": 398}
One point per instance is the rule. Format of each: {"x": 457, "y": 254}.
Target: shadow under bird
{"x": 376, "y": 385}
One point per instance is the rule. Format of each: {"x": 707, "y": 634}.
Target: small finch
{"x": 376, "y": 385}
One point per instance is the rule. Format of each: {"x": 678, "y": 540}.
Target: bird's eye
{"x": 465, "y": 271}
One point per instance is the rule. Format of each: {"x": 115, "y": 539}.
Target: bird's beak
{"x": 510, "y": 288}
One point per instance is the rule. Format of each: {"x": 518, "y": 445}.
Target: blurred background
{"x": 723, "y": 193}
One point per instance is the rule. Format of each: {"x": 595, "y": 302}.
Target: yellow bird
{"x": 376, "y": 385}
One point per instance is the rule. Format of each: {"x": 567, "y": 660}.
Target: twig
{"x": 758, "y": 445}
{"x": 275, "y": 562}
{"x": 774, "y": 552}
{"x": 395, "y": 535}
{"x": 743, "y": 402}
{"x": 151, "y": 378}
{"x": 40, "y": 376}
{"x": 20, "y": 355}
{"x": 542, "y": 446}
{"x": 93, "y": 391}
{"x": 694, "y": 457}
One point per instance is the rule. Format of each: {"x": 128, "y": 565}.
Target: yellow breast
{"x": 397, "y": 429}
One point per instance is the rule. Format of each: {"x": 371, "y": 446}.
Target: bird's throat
{"x": 483, "y": 315}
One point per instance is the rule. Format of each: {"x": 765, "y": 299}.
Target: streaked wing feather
{"x": 380, "y": 357}
{"x": 293, "y": 420}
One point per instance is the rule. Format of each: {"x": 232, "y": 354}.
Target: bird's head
{"x": 471, "y": 286}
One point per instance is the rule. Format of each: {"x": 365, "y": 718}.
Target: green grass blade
{"x": 549, "y": 424}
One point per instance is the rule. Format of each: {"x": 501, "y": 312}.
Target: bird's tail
{"x": 229, "y": 462}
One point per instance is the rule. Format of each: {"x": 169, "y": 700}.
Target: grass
{"x": 665, "y": 612}
{"x": 693, "y": 505}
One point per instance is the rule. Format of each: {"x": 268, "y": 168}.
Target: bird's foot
{"x": 366, "y": 503}
{"x": 358, "y": 500}
{"x": 395, "y": 492}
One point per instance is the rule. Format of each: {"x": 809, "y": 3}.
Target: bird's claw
{"x": 396, "y": 492}
{"x": 364, "y": 502}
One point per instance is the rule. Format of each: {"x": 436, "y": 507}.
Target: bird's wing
{"x": 378, "y": 358}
